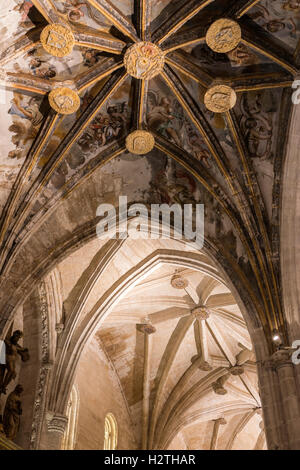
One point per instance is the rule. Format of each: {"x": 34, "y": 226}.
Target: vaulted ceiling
{"x": 231, "y": 161}
{"x": 189, "y": 361}
{"x": 170, "y": 331}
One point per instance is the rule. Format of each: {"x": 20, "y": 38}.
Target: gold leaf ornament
{"x": 144, "y": 60}
{"x": 140, "y": 142}
{"x": 223, "y": 35}
{"x": 64, "y": 100}
{"x": 57, "y": 39}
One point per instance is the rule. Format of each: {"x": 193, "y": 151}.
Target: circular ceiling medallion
{"x": 201, "y": 313}
{"x": 144, "y": 60}
{"x": 57, "y": 39}
{"x": 140, "y": 142}
{"x": 179, "y": 282}
{"x": 223, "y": 35}
{"x": 64, "y": 100}
{"x": 220, "y": 98}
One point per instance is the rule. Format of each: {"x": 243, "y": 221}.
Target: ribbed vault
{"x": 179, "y": 368}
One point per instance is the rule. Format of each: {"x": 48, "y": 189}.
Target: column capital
{"x": 146, "y": 328}
{"x": 57, "y": 423}
{"x": 222, "y": 421}
{"x": 280, "y": 358}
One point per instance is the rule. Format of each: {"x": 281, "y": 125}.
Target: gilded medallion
{"x": 64, "y": 100}
{"x": 220, "y": 98}
{"x": 57, "y": 39}
{"x": 140, "y": 142}
{"x": 223, "y": 35}
{"x": 144, "y": 60}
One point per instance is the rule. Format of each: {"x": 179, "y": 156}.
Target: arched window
{"x": 110, "y": 432}
{"x": 69, "y": 438}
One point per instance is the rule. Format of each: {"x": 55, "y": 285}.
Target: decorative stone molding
{"x": 140, "y": 142}
{"x": 144, "y": 60}
{"x": 223, "y": 35}
{"x": 49, "y": 416}
{"x": 48, "y": 365}
{"x": 44, "y": 370}
{"x": 57, "y": 39}
{"x": 57, "y": 424}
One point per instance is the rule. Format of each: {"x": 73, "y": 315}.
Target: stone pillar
{"x": 201, "y": 314}
{"x": 147, "y": 330}
{"x": 214, "y": 438}
{"x": 280, "y": 401}
{"x": 290, "y": 273}
{"x": 56, "y": 427}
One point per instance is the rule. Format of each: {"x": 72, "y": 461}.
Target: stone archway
{"x": 74, "y": 340}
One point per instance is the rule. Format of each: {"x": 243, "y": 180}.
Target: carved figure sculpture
{"x": 12, "y": 413}
{"x": 13, "y": 349}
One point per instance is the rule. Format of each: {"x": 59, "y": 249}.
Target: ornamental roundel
{"x": 57, "y": 39}
{"x": 140, "y": 142}
{"x": 223, "y": 35}
{"x": 178, "y": 282}
{"x": 144, "y": 60}
{"x": 201, "y": 312}
{"x": 64, "y": 100}
{"x": 220, "y": 98}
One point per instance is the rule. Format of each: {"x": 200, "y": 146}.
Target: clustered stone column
{"x": 56, "y": 427}
{"x": 147, "y": 329}
{"x": 280, "y": 400}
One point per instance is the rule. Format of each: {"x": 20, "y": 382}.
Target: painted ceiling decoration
{"x": 191, "y": 96}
